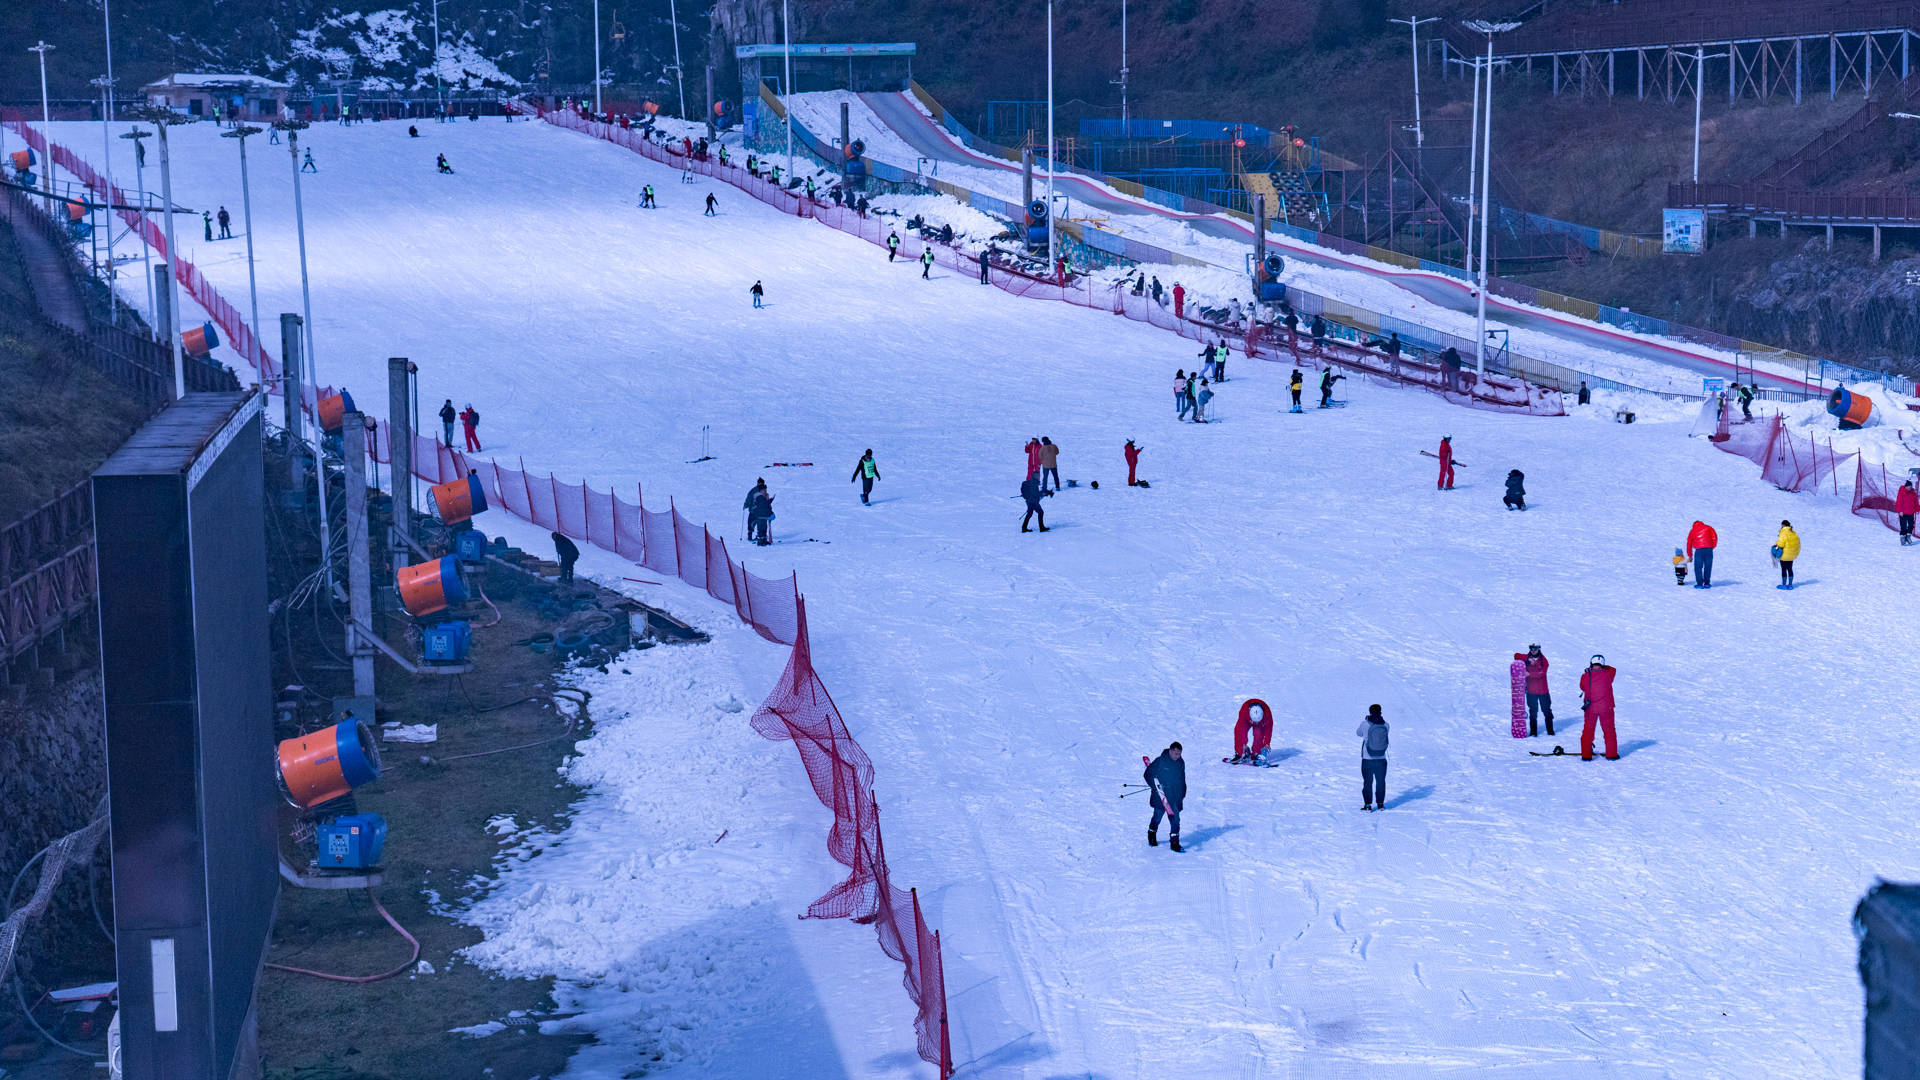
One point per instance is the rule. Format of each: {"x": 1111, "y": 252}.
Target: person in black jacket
{"x": 866, "y": 472}
{"x": 1327, "y": 379}
{"x": 1318, "y": 331}
{"x": 447, "y": 417}
{"x": 1586, "y": 395}
{"x": 1030, "y": 490}
{"x": 1166, "y": 779}
{"x": 1516, "y": 498}
{"x": 759, "y": 508}
{"x": 568, "y": 553}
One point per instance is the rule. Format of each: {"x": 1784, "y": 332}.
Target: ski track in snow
{"x": 1682, "y": 912}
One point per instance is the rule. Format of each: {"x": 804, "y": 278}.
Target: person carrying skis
{"x": 1516, "y": 497}
{"x": 1049, "y": 463}
{"x": 1906, "y": 504}
{"x": 1132, "y": 453}
{"x": 865, "y": 471}
{"x": 1166, "y": 778}
{"x": 893, "y": 245}
{"x": 569, "y": 553}
{"x": 1701, "y": 540}
{"x": 646, "y": 198}
{"x": 1445, "y": 483}
{"x": 1745, "y": 394}
{"x": 759, "y": 508}
{"x": 1179, "y": 298}
{"x": 470, "y": 422}
{"x": 226, "y": 220}
{"x": 926, "y": 263}
{"x": 1373, "y": 759}
{"x": 1031, "y": 491}
{"x": 711, "y": 203}
{"x": 1252, "y": 733}
{"x": 1538, "y": 699}
{"x": 1327, "y": 379}
{"x": 1596, "y": 701}
{"x": 1294, "y": 385}
{"x": 447, "y": 417}
{"x": 759, "y": 293}
{"x": 1180, "y": 399}
{"x": 440, "y": 163}
{"x": 1033, "y": 456}
{"x": 1786, "y": 548}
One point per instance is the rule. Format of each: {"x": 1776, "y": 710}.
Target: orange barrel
{"x": 459, "y": 500}
{"x": 76, "y": 211}
{"x": 200, "y": 340}
{"x": 1852, "y": 409}
{"x": 23, "y": 160}
{"x": 333, "y": 411}
{"x": 431, "y": 586}
{"x": 328, "y": 763}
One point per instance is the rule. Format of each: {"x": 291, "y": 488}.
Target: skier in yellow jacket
{"x": 1786, "y": 548}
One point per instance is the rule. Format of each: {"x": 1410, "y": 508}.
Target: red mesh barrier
{"x": 1802, "y": 463}
{"x": 570, "y": 509}
{"x": 1874, "y": 491}
{"x": 1753, "y": 441}
{"x": 690, "y": 547}
{"x": 660, "y": 554}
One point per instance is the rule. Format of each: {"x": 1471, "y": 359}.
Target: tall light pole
{"x": 679, "y": 76}
{"x": 1700, "y": 59}
{"x": 46, "y": 123}
{"x": 1052, "y": 226}
{"x": 163, "y": 119}
{"x": 105, "y": 83}
{"x": 786, "y": 87}
{"x": 1482, "y": 26}
{"x": 240, "y": 134}
{"x": 439, "y": 98}
{"x": 1413, "y": 25}
{"x": 596, "y": 58}
{"x": 1124, "y": 71}
{"x": 140, "y": 177}
{"x": 1473, "y": 167}
{"x": 292, "y": 128}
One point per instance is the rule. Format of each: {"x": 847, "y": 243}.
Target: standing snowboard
{"x": 1518, "y": 669}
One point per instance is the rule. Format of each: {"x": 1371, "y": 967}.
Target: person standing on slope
{"x": 711, "y": 203}
{"x": 1445, "y": 483}
{"x": 1317, "y": 330}
{"x": 470, "y": 422}
{"x": 1179, "y": 298}
{"x": 1327, "y": 379}
{"x": 569, "y": 553}
{"x": 1252, "y": 733}
{"x": 447, "y": 417}
{"x": 1786, "y": 548}
{"x": 1030, "y": 491}
{"x": 1166, "y": 778}
{"x": 1516, "y": 497}
{"x": 1033, "y": 456}
{"x": 646, "y": 198}
{"x": 1180, "y": 399}
{"x": 1906, "y": 504}
{"x": 893, "y": 245}
{"x": 1596, "y": 701}
{"x": 926, "y": 263}
{"x": 226, "y": 220}
{"x": 759, "y": 292}
{"x": 1538, "y": 699}
{"x": 1049, "y": 463}
{"x": 866, "y": 472}
{"x": 1701, "y": 540}
{"x": 1133, "y": 462}
{"x": 1295, "y": 385}
{"x": 985, "y": 253}
{"x": 759, "y": 508}
{"x": 1373, "y": 759}
{"x": 1200, "y": 400}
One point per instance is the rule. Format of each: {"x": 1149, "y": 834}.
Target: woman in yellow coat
{"x": 1786, "y": 548}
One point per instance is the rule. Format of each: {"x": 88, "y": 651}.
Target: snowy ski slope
{"x": 1681, "y": 912}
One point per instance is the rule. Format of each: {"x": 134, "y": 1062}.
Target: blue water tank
{"x": 448, "y": 642}
{"x": 352, "y": 841}
{"x": 471, "y": 546}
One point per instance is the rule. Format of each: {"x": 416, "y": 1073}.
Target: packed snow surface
{"x": 1683, "y": 911}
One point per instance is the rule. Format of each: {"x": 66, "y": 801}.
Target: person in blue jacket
{"x": 1166, "y": 780}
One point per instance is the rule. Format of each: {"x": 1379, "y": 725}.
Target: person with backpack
{"x": 1252, "y": 733}
{"x": 1538, "y": 699}
{"x": 1373, "y": 760}
{"x": 1030, "y": 491}
{"x": 865, "y": 471}
{"x": 1132, "y": 453}
{"x": 1701, "y": 540}
{"x": 1049, "y": 463}
{"x": 1786, "y": 548}
{"x": 759, "y": 292}
{"x": 447, "y": 417}
{"x": 470, "y": 422}
{"x": 1906, "y": 504}
{"x": 1166, "y": 778}
{"x": 759, "y": 508}
{"x": 568, "y": 553}
{"x": 1596, "y": 702}
{"x": 1180, "y": 399}
{"x": 1516, "y": 497}
{"x": 893, "y": 245}
{"x": 926, "y": 263}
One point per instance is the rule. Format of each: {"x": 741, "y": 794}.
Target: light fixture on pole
{"x": 140, "y": 177}
{"x": 1413, "y": 25}
{"x": 162, "y": 119}
{"x": 1124, "y": 70}
{"x": 46, "y": 122}
{"x": 1700, "y": 59}
{"x": 105, "y": 83}
{"x": 1473, "y": 166}
{"x": 239, "y": 134}
{"x": 679, "y": 77}
{"x": 1481, "y": 26}
{"x": 786, "y": 83}
{"x": 292, "y": 128}
{"x": 1050, "y": 222}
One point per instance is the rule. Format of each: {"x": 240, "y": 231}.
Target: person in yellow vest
{"x": 1786, "y": 548}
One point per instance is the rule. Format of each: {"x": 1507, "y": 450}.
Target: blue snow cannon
{"x": 1267, "y": 280}
{"x": 1037, "y": 223}
{"x": 855, "y": 171}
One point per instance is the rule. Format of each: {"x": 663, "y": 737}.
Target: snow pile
{"x": 972, "y": 229}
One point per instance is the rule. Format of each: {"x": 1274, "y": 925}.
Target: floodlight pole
{"x": 140, "y": 180}
{"x": 1052, "y": 226}
{"x": 1413, "y": 25}
{"x": 46, "y": 123}
{"x": 239, "y": 134}
{"x": 679, "y": 76}
{"x": 786, "y": 88}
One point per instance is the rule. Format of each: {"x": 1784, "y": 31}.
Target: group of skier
{"x": 469, "y": 418}
{"x": 1703, "y": 541}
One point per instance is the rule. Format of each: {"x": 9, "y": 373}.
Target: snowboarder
{"x": 866, "y": 472}
{"x": 568, "y": 553}
{"x": 711, "y": 203}
{"x": 1586, "y": 395}
{"x": 1133, "y": 462}
{"x": 646, "y": 198}
{"x": 759, "y": 508}
{"x": 1516, "y": 497}
{"x": 1200, "y": 399}
{"x": 440, "y": 163}
{"x": 1180, "y": 398}
{"x": 206, "y": 222}
{"x": 306, "y": 162}
{"x": 1445, "y": 483}
{"x": 893, "y": 245}
{"x": 226, "y": 220}
{"x": 1179, "y": 298}
{"x": 926, "y": 263}
{"x": 1701, "y": 540}
{"x": 1252, "y": 733}
{"x": 1596, "y": 702}
{"x": 1745, "y": 394}
{"x": 1906, "y": 504}
{"x": 447, "y": 417}
{"x": 1033, "y": 456}
{"x": 1373, "y": 759}
{"x": 1538, "y": 699}
{"x": 1049, "y": 463}
{"x": 1294, "y": 385}
{"x": 1786, "y": 548}
{"x": 1327, "y": 379}
{"x": 759, "y": 294}
{"x": 1031, "y": 492}
{"x": 984, "y": 253}
{"x": 1166, "y": 778}
{"x": 470, "y": 421}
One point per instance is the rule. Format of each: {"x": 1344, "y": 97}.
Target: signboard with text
{"x": 1683, "y": 232}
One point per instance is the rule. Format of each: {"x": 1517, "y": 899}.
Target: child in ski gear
{"x": 1445, "y": 482}
{"x": 1030, "y": 491}
{"x": 1294, "y": 385}
{"x": 1373, "y": 759}
{"x": 306, "y": 163}
{"x": 1133, "y": 462}
{"x": 1596, "y": 701}
{"x": 759, "y": 293}
{"x": 1200, "y": 400}
{"x": 1253, "y": 732}
{"x": 1906, "y": 504}
{"x": 1538, "y": 699}
{"x": 711, "y": 203}
{"x": 1786, "y": 548}
{"x": 759, "y": 508}
{"x": 1679, "y": 567}
{"x": 1516, "y": 498}
{"x": 470, "y": 421}
{"x": 447, "y": 417}
{"x": 1701, "y": 540}
{"x": 568, "y": 552}
{"x": 1327, "y": 379}
{"x": 1180, "y": 399}
{"x": 866, "y": 472}
{"x": 1166, "y": 778}
{"x": 1049, "y": 463}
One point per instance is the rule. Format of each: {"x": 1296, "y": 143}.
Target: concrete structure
{"x": 250, "y": 97}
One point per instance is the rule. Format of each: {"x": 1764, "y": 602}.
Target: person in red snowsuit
{"x": 470, "y": 423}
{"x": 1538, "y": 699}
{"x": 1179, "y": 299}
{"x": 1906, "y": 504}
{"x": 1446, "y": 463}
{"x": 1253, "y": 733}
{"x": 1701, "y": 540}
{"x": 1596, "y": 693}
{"x": 1033, "y": 456}
{"x": 1133, "y": 462}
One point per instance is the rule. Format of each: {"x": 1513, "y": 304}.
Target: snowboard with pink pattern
{"x": 1519, "y": 671}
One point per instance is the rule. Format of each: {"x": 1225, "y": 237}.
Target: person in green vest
{"x": 926, "y": 263}
{"x": 866, "y": 472}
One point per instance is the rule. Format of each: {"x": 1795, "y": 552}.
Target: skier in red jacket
{"x": 470, "y": 421}
{"x": 1538, "y": 699}
{"x": 1446, "y": 463}
{"x": 1906, "y": 504}
{"x": 1701, "y": 540}
{"x": 1133, "y": 462}
{"x": 1253, "y": 733}
{"x": 1596, "y": 692}
{"x": 1033, "y": 456}
{"x": 1179, "y": 300}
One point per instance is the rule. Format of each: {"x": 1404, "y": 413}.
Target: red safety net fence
{"x": 1501, "y": 393}
{"x": 1874, "y": 492}
{"x": 1794, "y": 461}
{"x": 666, "y": 542}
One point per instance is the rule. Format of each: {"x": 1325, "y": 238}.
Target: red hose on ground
{"x": 391, "y": 921}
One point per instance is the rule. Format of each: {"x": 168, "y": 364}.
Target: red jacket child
{"x": 1251, "y": 736}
